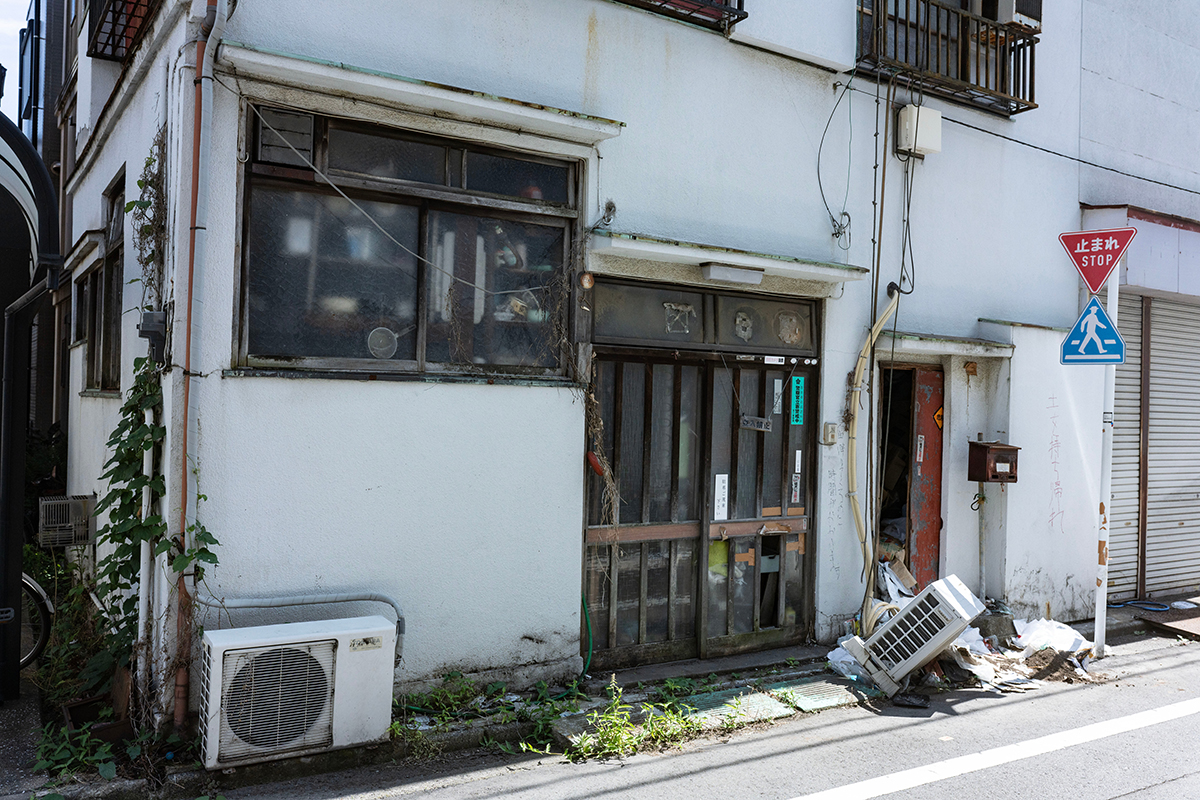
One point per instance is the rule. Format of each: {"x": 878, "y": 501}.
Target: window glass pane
{"x": 599, "y": 570}
{"x": 772, "y": 493}
{"x": 633, "y": 426}
{"x": 385, "y": 157}
{"x": 746, "y": 506}
{"x": 685, "y": 582}
{"x": 110, "y": 336}
{"x": 324, "y": 281}
{"x": 689, "y": 443}
{"x": 605, "y": 385}
{"x": 658, "y": 588}
{"x": 497, "y": 292}
{"x": 511, "y": 176}
{"x": 629, "y": 593}
{"x": 661, "y": 418}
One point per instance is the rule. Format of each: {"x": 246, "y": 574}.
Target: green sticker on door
{"x": 797, "y": 400}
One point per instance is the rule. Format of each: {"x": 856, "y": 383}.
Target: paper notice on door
{"x": 777, "y": 404}
{"x": 721, "y": 498}
{"x": 799, "y": 460}
{"x": 795, "y": 490}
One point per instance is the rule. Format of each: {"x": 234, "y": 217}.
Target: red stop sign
{"x": 1095, "y": 253}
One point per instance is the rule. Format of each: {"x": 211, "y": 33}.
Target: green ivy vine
{"x": 117, "y": 573}
{"x": 127, "y": 529}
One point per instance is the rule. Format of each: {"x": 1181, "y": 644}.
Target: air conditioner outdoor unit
{"x": 920, "y": 631}
{"x": 66, "y": 521}
{"x": 1025, "y": 13}
{"x": 278, "y": 691}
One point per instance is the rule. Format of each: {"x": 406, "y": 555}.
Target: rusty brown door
{"x": 925, "y": 474}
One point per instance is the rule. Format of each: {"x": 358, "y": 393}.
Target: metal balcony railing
{"x": 116, "y": 26}
{"x": 709, "y": 13}
{"x": 950, "y": 52}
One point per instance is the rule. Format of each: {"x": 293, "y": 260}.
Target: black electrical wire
{"x": 841, "y": 222}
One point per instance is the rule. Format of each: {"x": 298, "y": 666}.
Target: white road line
{"x": 931, "y": 773}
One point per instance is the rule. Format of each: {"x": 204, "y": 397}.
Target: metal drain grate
{"x": 813, "y": 694}
{"x": 743, "y": 704}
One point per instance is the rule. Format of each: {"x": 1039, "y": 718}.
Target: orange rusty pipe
{"x": 183, "y": 619}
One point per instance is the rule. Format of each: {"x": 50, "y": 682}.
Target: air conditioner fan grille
{"x": 277, "y": 699}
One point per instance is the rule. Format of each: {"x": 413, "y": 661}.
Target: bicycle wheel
{"x": 35, "y": 621}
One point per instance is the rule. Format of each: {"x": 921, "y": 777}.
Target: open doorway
{"x": 910, "y": 458}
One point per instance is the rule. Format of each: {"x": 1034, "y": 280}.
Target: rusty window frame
{"x": 430, "y": 198}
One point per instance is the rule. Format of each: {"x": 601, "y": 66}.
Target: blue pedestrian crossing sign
{"x": 1093, "y": 339}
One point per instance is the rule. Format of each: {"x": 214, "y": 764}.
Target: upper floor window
{"x": 431, "y": 255}
{"x": 717, "y": 14}
{"x": 978, "y": 52}
{"x": 99, "y": 295}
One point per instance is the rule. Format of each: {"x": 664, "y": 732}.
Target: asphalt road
{"x": 1132, "y": 736}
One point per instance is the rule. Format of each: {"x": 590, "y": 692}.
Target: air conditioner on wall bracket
{"x": 278, "y": 691}
{"x": 921, "y": 630}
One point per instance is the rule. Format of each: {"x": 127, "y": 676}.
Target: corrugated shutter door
{"x": 1123, "y": 519}
{"x": 1172, "y": 518}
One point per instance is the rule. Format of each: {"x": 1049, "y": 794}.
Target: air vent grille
{"x": 65, "y": 521}
{"x": 277, "y": 699}
{"x": 277, "y": 130}
{"x": 922, "y": 621}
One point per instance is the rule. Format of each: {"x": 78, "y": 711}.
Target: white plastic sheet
{"x": 1042, "y": 633}
{"x": 845, "y": 664}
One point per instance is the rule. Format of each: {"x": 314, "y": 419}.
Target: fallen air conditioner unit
{"x": 278, "y": 691}
{"x": 921, "y": 630}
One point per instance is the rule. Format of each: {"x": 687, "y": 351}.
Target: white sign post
{"x": 1106, "y": 446}
{"x": 1095, "y": 255}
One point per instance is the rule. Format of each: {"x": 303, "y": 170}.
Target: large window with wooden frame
{"x": 372, "y": 249}
{"x": 699, "y": 492}
{"x": 99, "y": 295}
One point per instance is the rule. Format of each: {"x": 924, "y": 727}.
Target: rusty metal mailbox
{"x": 992, "y": 462}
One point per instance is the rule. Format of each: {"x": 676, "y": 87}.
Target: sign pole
{"x": 1110, "y": 391}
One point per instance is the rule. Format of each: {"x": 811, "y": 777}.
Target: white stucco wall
{"x": 1053, "y": 508}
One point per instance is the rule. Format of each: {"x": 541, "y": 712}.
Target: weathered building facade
{"x": 494, "y": 305}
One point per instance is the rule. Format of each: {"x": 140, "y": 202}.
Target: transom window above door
{"x": 430, "y": 255}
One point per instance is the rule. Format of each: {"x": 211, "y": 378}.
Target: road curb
{"x": 191, "y": 783}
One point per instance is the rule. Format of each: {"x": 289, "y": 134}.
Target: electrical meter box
{"x": 992, "y": 462}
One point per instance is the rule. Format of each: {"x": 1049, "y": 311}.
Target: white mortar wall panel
{"x": 1051, "y": 511}
{"x": 1172, "y": 522}
{"x": 1127, "y": 438}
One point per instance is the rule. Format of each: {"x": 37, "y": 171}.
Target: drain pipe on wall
{"x": 314, "y": 600}
{"x": 144, "y": 578}
{"x": 868, "y": 548}
{"x": 211, "y": 29}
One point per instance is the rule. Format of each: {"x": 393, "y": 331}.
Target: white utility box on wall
{"x": 919, "y": 130}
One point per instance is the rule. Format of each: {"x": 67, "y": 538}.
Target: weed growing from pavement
{"x": 459, "y": 699}
{"x": 615, "y": 733}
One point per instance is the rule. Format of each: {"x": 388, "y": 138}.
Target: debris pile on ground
{"x": 997, "y": 652}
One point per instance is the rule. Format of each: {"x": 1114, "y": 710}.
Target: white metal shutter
{"x": 1123, "y": 514}
{"x": 1173, "y": 524}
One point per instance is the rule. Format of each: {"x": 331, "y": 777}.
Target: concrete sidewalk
{"x": 20, "y": 732}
